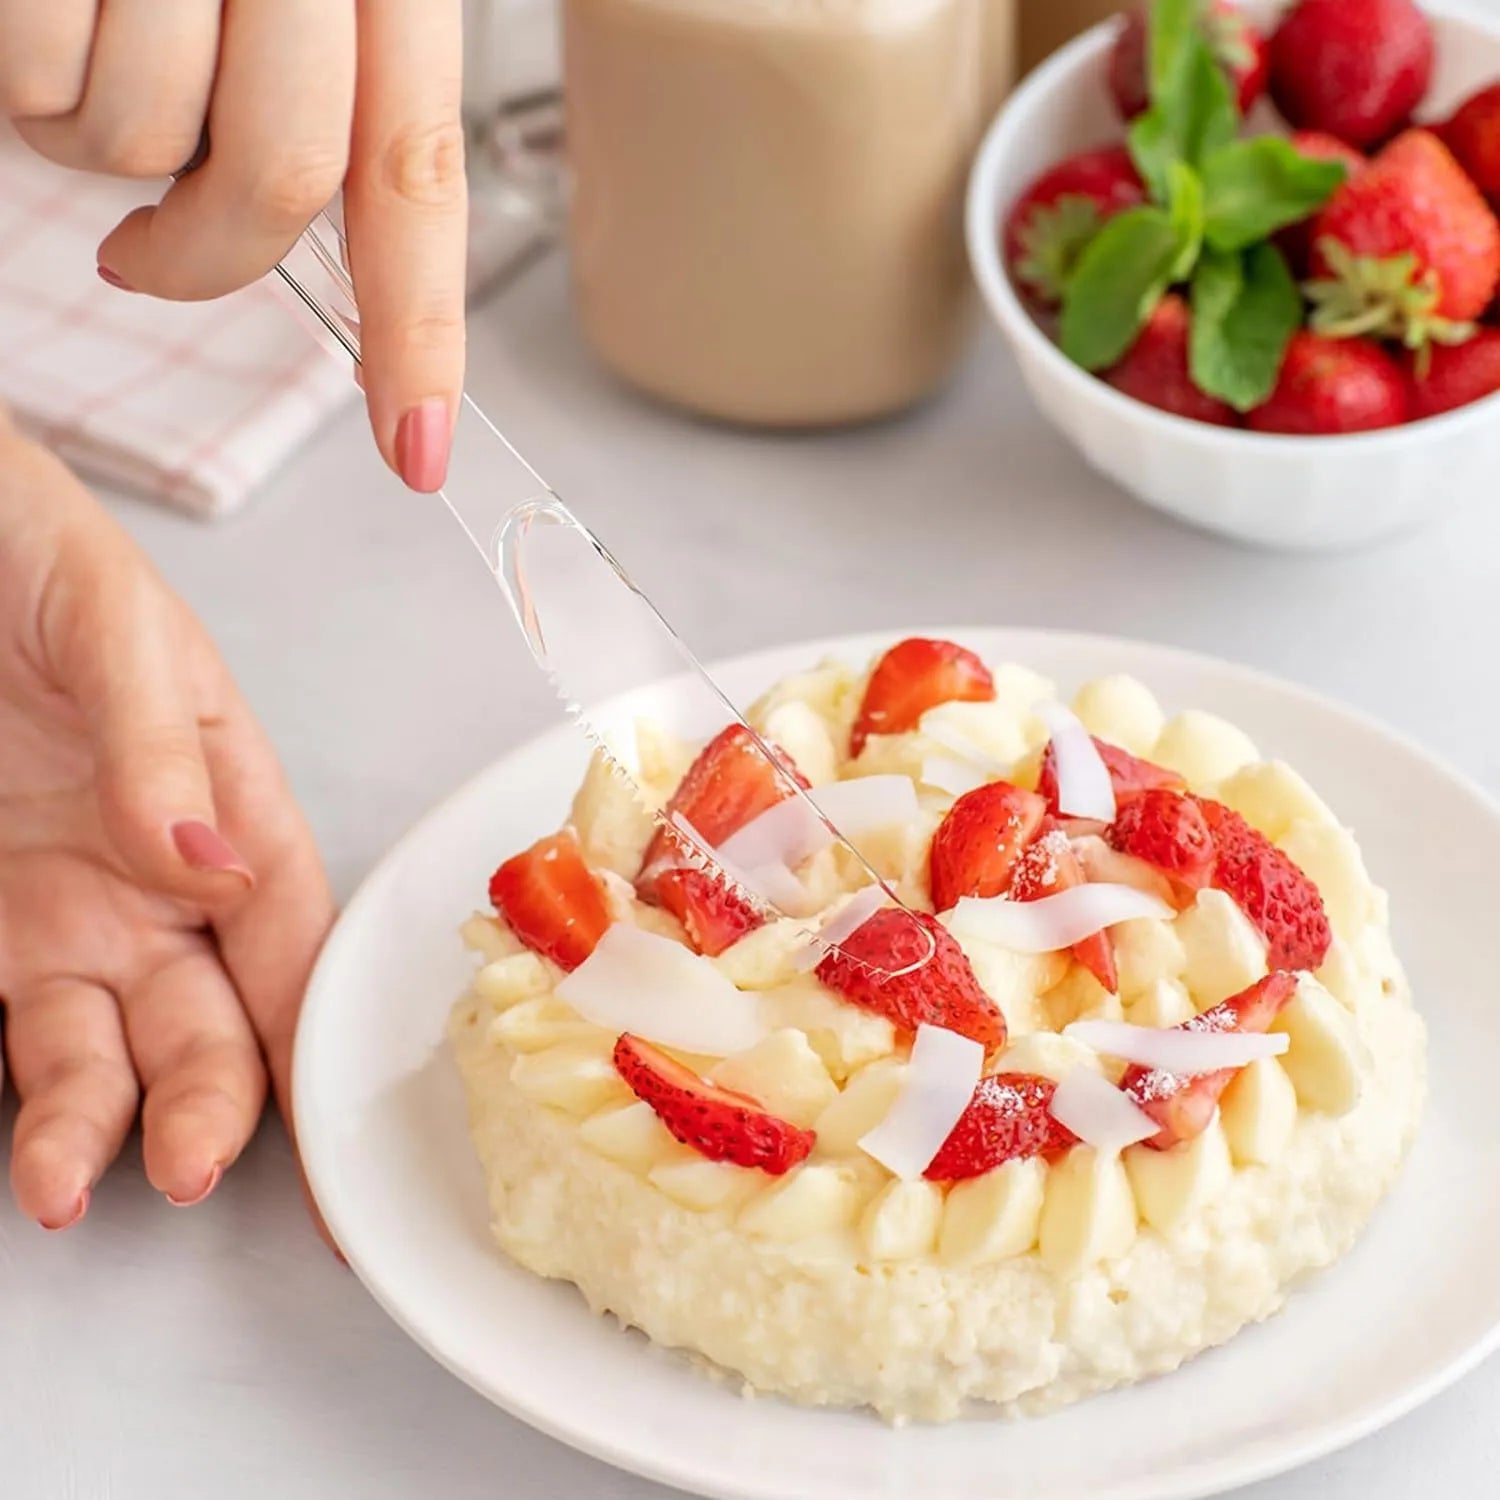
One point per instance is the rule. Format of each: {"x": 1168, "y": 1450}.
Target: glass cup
{"x": 766, "y": 200}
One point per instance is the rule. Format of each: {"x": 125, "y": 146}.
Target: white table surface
{"x": 158, "y": 1354}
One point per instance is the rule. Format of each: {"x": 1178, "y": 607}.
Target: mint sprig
{"x": 1116, "y": 283}
{"x": 1253, "y": 188}
{"x": 1192, "y": 111}
{"x": 1215, "y": 201}
{"x": 1245, "y": 309}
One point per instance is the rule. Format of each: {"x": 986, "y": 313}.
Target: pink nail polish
{"x": 205, "y": 848}
{"x": 79, "y": 1211}
{"x": 208, "y": 1187}
{"x": 110, "y": 278}
{"x": 422, "y": 439}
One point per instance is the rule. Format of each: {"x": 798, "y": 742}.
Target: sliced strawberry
{"x": 1128, "y": 774}
{"x": 717, "y": 1123}
{"x": 731, "y": 782}
{"x": 1277, "y": 897}
{"x": 942, "y": 992}
{"x": 1183, "y": 1103}
{"x": 1005, "y": 1120}
{"x": 913, "y": 676}
{"x": 712, "y": 915}
{"x": 978, "y": 843}
{"x": 551, "y": 900}
{"x": 1048, "y": 867}
{"x": 1167, "y": 829}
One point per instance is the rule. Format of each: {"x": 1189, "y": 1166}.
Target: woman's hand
{"x": 161, "y": 900}
{"x": 299, "y": 98}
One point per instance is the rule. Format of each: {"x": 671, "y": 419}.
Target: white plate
{"x": 1415, "y": 1305}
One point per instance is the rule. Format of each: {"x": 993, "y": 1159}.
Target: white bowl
{"x": 1298, "y": 492}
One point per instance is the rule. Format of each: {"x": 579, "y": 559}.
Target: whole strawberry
{"x": 1472, "y": 134}
{"x": 1407, "y": 248}
{"x": 1239, "y": 49}
{"x": 1296, "y": 240}
{"x": 1332, "y": 385}
{"x": 1155, "y": 368}
{"x": 1354, "y": 68}
{"x": 1454, "y": 375}
{"x": 1059, "y": 214}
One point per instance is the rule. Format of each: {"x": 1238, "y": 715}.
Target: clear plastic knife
{"x": 589, "y": 627}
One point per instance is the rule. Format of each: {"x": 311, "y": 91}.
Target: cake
{"x": 1114, "y": 1053}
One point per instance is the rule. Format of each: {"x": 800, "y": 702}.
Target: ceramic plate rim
{"x": 1333, "y": 1435}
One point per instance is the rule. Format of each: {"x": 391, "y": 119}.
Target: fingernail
{"x": 205, "y": 848}
{"x": 78, "y": 1212}
{"x": 422, "y": 438}
{"x": 111, "y": 278}
{"x": 208, "y": 1187}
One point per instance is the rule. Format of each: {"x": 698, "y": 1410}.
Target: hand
{"x": 161, "y": 901}
{"x": 299, "y": 97}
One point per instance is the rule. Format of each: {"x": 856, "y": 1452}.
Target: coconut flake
{"x": 1098, "y": 1113}
{"x": 640, "y": 982}
{"x": 844, "y": 923}
{"x": 1174, "y": 1049}
{"x": 950, "y": 774}
{"x": 1054, "y": 922}
{"x": 1084, "y": 789}
{"x": 791, "y": 831}
{"x": 935, "y": 1091}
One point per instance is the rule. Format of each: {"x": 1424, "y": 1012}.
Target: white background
{"x": 152, "y": 1353}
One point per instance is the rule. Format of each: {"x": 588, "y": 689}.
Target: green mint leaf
{"x": 1208, "y": 116}
{"x": 1245, "y": 309}
{"x": 1119, "y": 278}
{"x": 1172, "y": 24}
{"x": 1185, "y": 205}
{"x": 1153, "y": 150}
{"x": 1191, "y": 117}
{"x": 1252, "y": 188}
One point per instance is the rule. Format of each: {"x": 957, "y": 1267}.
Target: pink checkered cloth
{"x": 195, "y": 405}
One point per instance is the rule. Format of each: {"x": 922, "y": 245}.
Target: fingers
{"x": 78, "y": 1096}
{"x": 155, "y": 796}
{"x": 121, "y": 647}
{"x": 405, "y": 209}
{"x": 44, "y": 60}
{"x": 149, "y": 80}
{"x": 201, "y": 1068}
{"x": 279, "y": 123}
{"x": 270, "y": 940}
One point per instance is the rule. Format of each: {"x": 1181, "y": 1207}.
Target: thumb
{"x": 124, "y": 649}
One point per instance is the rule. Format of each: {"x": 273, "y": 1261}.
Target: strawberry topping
{"x": 978, "y": 843}
{"x": 1269, "y": 888}
{"x": 712, "y": 915}
{"x": 1049, "y": 866}
{"x": 1005, "y": 1120}
{"x": 913, "y": 676}
{"x": 1183, "y": 1103}
{"x": 1167, "y": 829}
{"x": 1128, "y": 774}
{"x": 942, "y": 992}
{"x": 717, "y": 1123}
{"x": 551, "y": 900}
{"x": 731, "y": 781}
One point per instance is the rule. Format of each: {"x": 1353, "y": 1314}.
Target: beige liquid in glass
{"x": 767, "y": 210}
